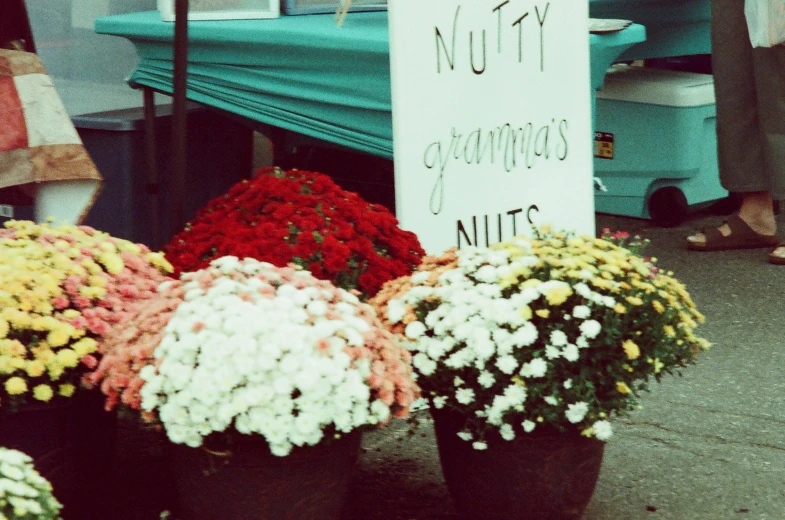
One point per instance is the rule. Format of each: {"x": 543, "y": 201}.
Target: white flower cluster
{"x": 262, "y": 354}
{"x": 24, "y": 493}
{"x": 478, "y": 329}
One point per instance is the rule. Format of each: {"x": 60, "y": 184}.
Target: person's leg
{"x": 740, "y": 147}
{"x": 770, "y": 88}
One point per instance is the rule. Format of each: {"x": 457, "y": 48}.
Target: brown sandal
{"x": 741, "y": 236}
{"x": 777, "y": 259}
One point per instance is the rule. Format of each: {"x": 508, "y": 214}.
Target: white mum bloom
{"x": 568, "y": 384}
{"x": 465, "y": 435}
{"x": 420, "y": 277}
{"x": 486, "y": 379}
{"x": 515, "y": 394}
{"x": 537, "y": 367}
{"x": 576, "y": 412}
{"x": 506, "y": 432}
{"x": 464, "y": 395}
{"x": 415, "y": 329}
{"x": 602, "y": 430}
{"x": 396, "y": 310}
{"x": 507, "y": 364}
{"x": 582, "y": 342}
{"x": 581, "y": 312}
{"x": 552, "y": 352}
{"x": 486, "y": 274}
{"x": 551, "y": 400}
{"x": 439, "y": 402}
{"x": 558, "y": 338}
{"x": 528, "y": 426}
{"x": 591, "y": 328}
{"x": 570, "y": 352}
{"x": 525, "y": 335}
{"x": 425, "y": 365}
{"x": 479, "y": 446}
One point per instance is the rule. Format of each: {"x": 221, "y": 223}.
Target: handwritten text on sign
{"x": 491, "y": 118}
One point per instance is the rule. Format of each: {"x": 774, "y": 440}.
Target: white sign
{"x": 491, "y": 118}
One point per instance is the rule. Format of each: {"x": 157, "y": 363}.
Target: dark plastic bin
{"x": 16, "y": 204}
{"x": 219, "y": 155}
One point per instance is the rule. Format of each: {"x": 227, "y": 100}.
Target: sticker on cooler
{"x": 603, "y": 145}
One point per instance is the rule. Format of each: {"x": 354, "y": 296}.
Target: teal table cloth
{"x": 673, "y": 27}
{"x": 299, "y": 73}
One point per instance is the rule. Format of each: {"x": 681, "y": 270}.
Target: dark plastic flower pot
{"x": 248, "y": 482}
{"x": 71, "y": 443}
{"x": 543, "y": 475}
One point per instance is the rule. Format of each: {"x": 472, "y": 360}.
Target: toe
{"x": 698, "y": 238}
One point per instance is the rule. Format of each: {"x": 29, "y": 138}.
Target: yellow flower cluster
{"x": 39, "y": 345}
{"x": 654, "y": 314}
{"x": 604, "y": 266}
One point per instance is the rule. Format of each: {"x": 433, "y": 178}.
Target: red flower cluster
{"x": 304, "y": 218}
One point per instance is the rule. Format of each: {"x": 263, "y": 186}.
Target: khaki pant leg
{"x": 769, "y": 66}
{"x": 740, "y": 145}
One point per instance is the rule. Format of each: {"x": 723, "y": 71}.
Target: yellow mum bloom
{"x": 669, "y": 331}
{"x": 619, "y": 308}
{"x": 43, "y": 393}
{"x": 659, "y": 307}
{"x": 46, "y": 356}
{"x": 16, "y": 386}
{"x": 558, "y": 294}
{"x": 97, "y": 281}
{"x": 68, "y": 358}
{"x": 58, "y": 337}
{"x": 631, "y": 349}
{"x": 113, "y": 263}
{"x": 634, "y": 300}
{"x": 5, "y": 365}
{"x": 4, "y": 328}
{"x": 67, "y": 390}
{"x": 15, "y": 348}
{"x": 622, "y": 388}
{"x": 85, "y": 346}
{"x": 543, "y": 313}
{"x": 56, "y": 370}
{"x": 108, "y": 247}
{"x": 526, "y": 312}
{"x": 70, "y": 314}
{"x": 159, "y": 261}
{"x": 35, "y": 368}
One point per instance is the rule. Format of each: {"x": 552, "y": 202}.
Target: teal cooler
{"x": 656, "y": 144}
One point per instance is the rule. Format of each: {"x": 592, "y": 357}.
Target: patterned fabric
{"x": 38, "y": 141}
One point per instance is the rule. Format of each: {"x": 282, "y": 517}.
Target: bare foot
{"x": 779, "y": 252}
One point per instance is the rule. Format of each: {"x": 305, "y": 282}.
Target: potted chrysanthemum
{"x": 525, "y": 350}
{"x": 262, "y": 378}
{"x": 24, "y": 493}
{"x": 303, "y": 218}
{"x": 62, "y": 288}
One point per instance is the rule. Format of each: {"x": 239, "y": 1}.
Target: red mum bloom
{"x": 296, "y": 216}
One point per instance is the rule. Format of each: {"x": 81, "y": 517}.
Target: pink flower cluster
{"x": 130, "y": 346}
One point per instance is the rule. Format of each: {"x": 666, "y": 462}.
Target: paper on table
{"x": 601, "y": 25}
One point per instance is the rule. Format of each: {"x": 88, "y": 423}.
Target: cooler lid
{"x": 657, "y": 86}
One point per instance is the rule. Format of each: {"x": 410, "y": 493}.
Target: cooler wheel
{"x": 668, "y": 206}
